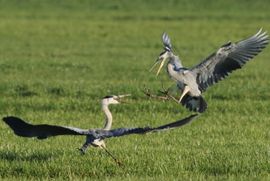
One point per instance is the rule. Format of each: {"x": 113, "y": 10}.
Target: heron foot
{"x": 119, "y": 163}
{"x": 148, "y": 93}
{"x": 83, "y": 148}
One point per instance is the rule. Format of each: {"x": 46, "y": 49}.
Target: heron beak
{"x": 163, "y": 56}
{"x": 161, "y": 65}
{"x": 157, "y": 61}
{"x": 124, "y": 95}
{"x": 119, "y": 98}
{"x": 185, "y": 91}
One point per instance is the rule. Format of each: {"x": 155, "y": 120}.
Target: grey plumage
{"x": 194, "y": 81}
{"x": 228, "y": 58}
{"x": 166, "y": 42}
{"x": 40, "y": 131}
{"x": 43, "y": 131}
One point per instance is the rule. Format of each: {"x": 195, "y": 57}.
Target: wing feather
{"x": 41, "y": 131}
{"x": 102, "y": 134}
{"x": 166, "y": 42}
{"x": 228, "y": 58}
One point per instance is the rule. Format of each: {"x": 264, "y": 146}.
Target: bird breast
{"x": 184, "y": 77}
{"x": 190, "y": 81}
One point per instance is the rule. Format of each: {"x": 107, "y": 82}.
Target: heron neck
{"x": 176, "y": 62}
{"x": 174, "y": 66}
{"x": 108, "y": 117}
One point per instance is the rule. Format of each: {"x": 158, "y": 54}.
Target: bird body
{"x": 94, "y": 137}
{"x": 184, "y": 77}
{"x": 186, "y": 82}
{"x": 194, "y": 81}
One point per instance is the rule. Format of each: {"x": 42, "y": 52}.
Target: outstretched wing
{"x": 166, "y": 42}
{"x": 102, "y": 134}
{"x": 175, "y": 124}
{"x": 41, "y": 131}
{"x": 229, "y": 57}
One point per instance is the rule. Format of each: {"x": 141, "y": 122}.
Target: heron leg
{"x": 148, "y": 93}
{"x": 164, "y": 92}
{"x": 185, "y": 91}
{"x": 111, "y": 155}
{"x": 84, "y": 148}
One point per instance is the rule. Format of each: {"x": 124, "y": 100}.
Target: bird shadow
{"x": 34, "y": 157}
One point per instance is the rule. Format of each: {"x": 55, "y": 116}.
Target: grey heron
{"x": 194, "y": 81}
{"x": 24, "y": 129}
{"x": 94, "y": 137}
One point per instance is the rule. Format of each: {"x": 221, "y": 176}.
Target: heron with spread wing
{"x": 194, "y": 81}
{"x": 94, "y": 137}
{"x": 43, "y": 131}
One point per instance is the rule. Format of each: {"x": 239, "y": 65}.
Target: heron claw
{"x": 148, "y": 93}
{"x": 82, "y": 150}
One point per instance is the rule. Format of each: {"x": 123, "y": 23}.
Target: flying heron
{"x": 94, "y": 137}
{"x": 194, "y": 81}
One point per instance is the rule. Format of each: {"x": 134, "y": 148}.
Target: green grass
{"x": 59, "y": 58}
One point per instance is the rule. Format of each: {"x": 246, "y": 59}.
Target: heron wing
{"x": 228, "y": 58}
{"x": 175, "y": 124}
{"x": 166, "y": 42}
{"x": 41, "y": 131}
{"x": 127, "y": 131}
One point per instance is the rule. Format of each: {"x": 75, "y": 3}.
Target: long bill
{"x": 153, "y": 66}
{"x": 111, "y": 155}
{"x": 120, "y": 97}
{"x": 161, "y": 65}
{"x": 124, "y": 95}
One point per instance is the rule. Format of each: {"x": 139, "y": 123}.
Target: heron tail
{"x": 196, "y": 104}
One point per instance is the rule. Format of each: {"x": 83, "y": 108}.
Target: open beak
{"x": 157, "y": 61}
{"x": 161, "y": 65}
{"x": 162, "y": 60}
{"x": 120, "y": 97}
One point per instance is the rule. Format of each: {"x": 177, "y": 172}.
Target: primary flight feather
{"x": 43, "y": 131}
{"x": 194, "y": 81}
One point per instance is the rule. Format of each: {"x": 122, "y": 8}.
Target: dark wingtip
{"x": 4, "y": 119}
{"x": 193, "y": 116}
{"x": 7, "y": 118}
{"x": 20, "y": 127}
{"x": 190, "y": 118}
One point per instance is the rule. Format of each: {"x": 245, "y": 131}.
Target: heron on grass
{"x": 94, "y": 137}
{"x": 194, "y": 81}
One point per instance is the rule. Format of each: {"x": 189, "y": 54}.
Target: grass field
{"x": 59, "y": 58}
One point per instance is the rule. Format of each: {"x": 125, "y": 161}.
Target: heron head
{"x": 113, "y": 99}
{"x": 165, "y": 54}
